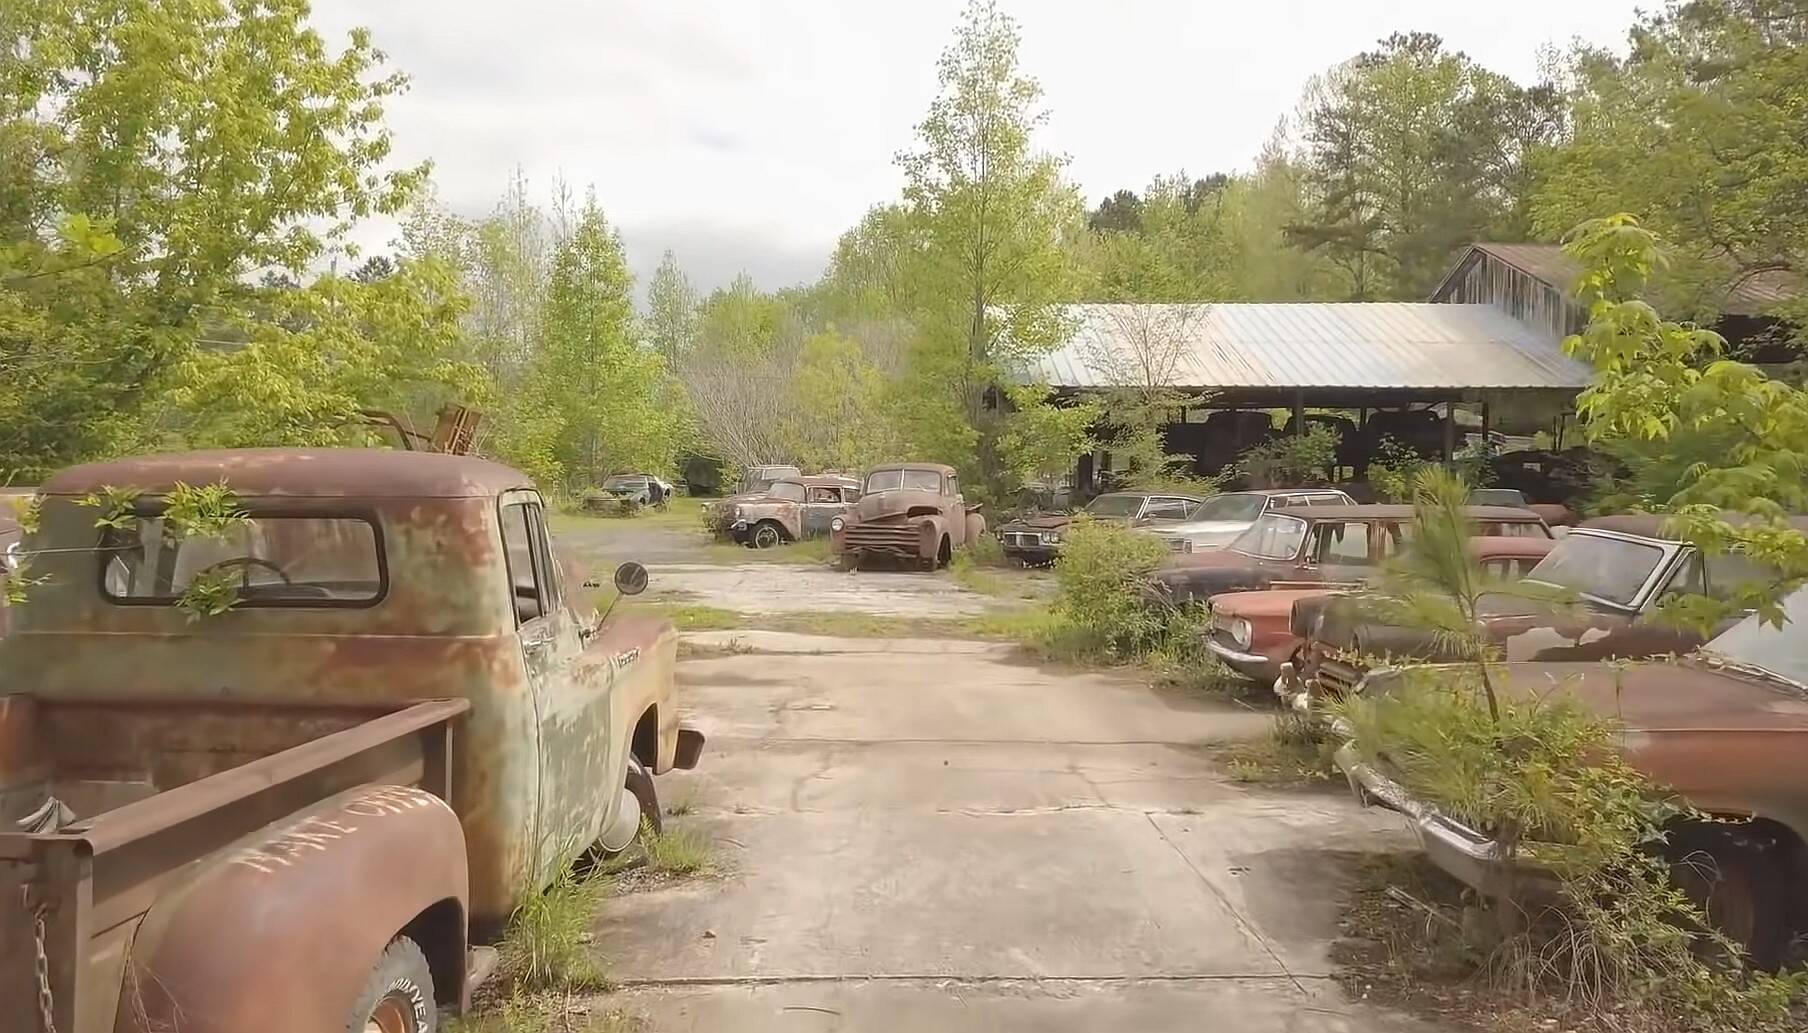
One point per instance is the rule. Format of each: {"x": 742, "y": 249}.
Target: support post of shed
{"x": 1485, "y": 425}
{"x": 1449, "y": 431}
{"x": 1299, "y": 412}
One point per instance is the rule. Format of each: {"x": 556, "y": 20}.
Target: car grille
{"x": 1337, "y": 677}
{"x": 1022, "y": 539}
{"x": 899, "y": 538}
{"x": 1177, "y": 544}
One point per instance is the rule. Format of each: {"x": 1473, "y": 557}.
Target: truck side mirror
{"x": 630, "y": 578}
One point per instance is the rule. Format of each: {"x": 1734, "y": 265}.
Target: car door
{"x": 572, "y": 697}
{"x": 1164, "y": 507}
{"x": 822, "y": 503}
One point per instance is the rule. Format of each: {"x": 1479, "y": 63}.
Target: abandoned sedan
{"x": 1725, "y": 729}
{"x": 1612, "y": 572}
{"x": 1216, "y": 522}
{"x": 290, "y": 809}
{"x": 1316, "y": 545}
{"x": 1037, "y": 539}
{"x": 789, "y": 510}
{"x": 909, "y": 512}
{"x": 1254, "y": 633}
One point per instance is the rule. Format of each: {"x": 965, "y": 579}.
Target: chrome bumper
{"x": 1233, "y": 656}
{"x": 690, "y": 747}
{"x": 1477, "y": 860}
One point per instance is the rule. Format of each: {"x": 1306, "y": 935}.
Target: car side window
{"x": 1166, "y": 509}
{"x": 1342, "y": 543}
{"x": 546, "y": 562}
{"x": 951, "y": 486}
{"x": 518, "y": 548}
{"x": 820, "y": 495}
{"x": 1689, "y": 579}
{"x": 850, "y": 494}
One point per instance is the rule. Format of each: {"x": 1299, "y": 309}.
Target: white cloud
{"x": 749, "y": 135}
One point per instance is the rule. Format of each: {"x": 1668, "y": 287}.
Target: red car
{"x": 1254, "y": 633}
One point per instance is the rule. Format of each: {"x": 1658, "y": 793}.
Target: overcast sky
{"x": 748, "y": 134}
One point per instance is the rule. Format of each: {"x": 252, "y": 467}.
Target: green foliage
{"x": 151, "y": 155}
{"x": 210, "y": 593}
{"x": 676, "y": 851}
{"x": 1291, "y": 459}
{"x": 671, "y": 323}
{"x": 838, "y": 418}
{"x": 1393, "y": 470}
{"x": 1041, "y": 440}
{"x": 117, "y": 507}
{"x": 1697, "y": 129}
{"x": 204, "y": 511}
{"x": 987, "y": 214}
{"x": 1102, "y": 609}
{"x": 1704, "y": 436}
{"x": 544, "y": 947}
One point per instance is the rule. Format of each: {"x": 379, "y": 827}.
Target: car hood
{"x": 1040, "y": 522}
{"x": 1225, "y": 529}
{"x": 1657, "y": 696}
{"x": 1199, "y": 576}
{"x": 1273, "y": 604}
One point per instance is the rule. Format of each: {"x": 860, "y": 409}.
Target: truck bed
{"x": 152, "y": 787}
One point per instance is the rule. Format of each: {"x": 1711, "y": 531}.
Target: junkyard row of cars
{"x": 1720, "y": 717}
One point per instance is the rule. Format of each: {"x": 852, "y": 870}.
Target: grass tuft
{"x": 680, "y": 851}
{"x": 546, "y": 946}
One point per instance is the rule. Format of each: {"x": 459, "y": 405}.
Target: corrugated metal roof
{"x": 1342, "y": 345}
{"x": 1749, "y": 295}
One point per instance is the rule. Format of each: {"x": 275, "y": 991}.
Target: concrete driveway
{"x": 932, "y": 835}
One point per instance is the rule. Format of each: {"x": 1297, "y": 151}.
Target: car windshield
{"x": 1781, "y": 651}
{"x": 1609, "y": 569}
{"x": 625, "y": 482}
{"x": 908, "y": 480}
{"x": 1115, "y": 506}
{"x": 1235, "y": 506}
{"x": 1274, "y": 537}
{"x": 1496, "y": 497}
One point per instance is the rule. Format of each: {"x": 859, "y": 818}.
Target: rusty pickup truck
{"x": 297, "y": 813}
{"x": 908, "y": 512}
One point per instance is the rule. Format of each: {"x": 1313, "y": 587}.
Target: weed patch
{"x": 678, "y": 851}
{"x": 1292, "y": 753}
{"x": 545, "y": 1013}
{"x": 546, "y": 946}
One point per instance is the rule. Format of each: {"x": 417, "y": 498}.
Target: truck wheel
{"x": 640, "y": 783}
{"x": 766, "y": 535}
{"x": 1739, "y": 884}
{"x": 944, "y": 554}
{"x": 398, "y": 996}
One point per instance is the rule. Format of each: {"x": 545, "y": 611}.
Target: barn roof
{"x": 1748, "y": 295}
{"x": 1330, "y": 345}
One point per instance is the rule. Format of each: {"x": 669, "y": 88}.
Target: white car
{"x": 1216, "y": 522}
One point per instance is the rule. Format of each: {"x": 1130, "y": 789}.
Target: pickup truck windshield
{"x": 1237, "y": 506}
{"x": 271, "y": 561}
{"x": 1274, "y": 537}
{"x": 1782, "y": 651}
{"x": 911, "y": 480}
{"x": 1609, "y": 569}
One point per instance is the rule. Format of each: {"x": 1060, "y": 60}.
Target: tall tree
{"x": 671, "y": 323}
{"x": 152, "y": 155}
{"x": 1699, "y": 132}
{"x": 1411, "y": 152}
{"x": 991, "y": 214}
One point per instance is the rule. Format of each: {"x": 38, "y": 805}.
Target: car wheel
{"x": 767, "y": 535}
{"x": 398, "y": 995}
{"x": 1738, "y": 882}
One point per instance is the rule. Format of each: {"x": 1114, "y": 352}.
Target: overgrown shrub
{"x": 1393, "y": 469}
{"x": 1291, "y": 458}
{"x": 1103, "y": 609}
{"x": 1545, "y": 780}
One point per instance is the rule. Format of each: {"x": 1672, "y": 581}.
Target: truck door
{"x": 571, "y": 697}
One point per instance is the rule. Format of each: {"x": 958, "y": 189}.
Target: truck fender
{"x": 929, "y": 535}
{"x": 279, "y": 931}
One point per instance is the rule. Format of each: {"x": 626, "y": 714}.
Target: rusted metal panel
{"x": 361, "y": 473}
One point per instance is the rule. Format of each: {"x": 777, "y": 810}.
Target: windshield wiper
{"x": 1720, "y": 661}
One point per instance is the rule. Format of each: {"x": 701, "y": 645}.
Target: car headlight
{"x": 1051, "y": 538}
{"x": 1241, "y": 632}
{"x": 837, "y": 524}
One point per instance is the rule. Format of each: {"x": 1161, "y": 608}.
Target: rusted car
{"x": 251, "y": 820}
{"x": 1217, "y": 521}
{"x": 756, "y": 479}
{"x": 1315, "y": 545}
{"x": 1254, "y": 634}
{"x": 787, "y": 511}
{"x": 1036, "y": 539}
{"x": 908, "y": 512}
{"x": 1618, "y": 569}
{"x": 1725, "y": 729}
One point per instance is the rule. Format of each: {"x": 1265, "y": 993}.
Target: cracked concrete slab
{"x": 786, "y": 588}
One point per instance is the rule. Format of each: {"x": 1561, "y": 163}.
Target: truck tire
{"x": 944, "y": 554}
{"x": 765, "y": 535}
{"x": 1739, "y": 883}
{"x": 398, "y": 996}
{"x": 640, "y": 783}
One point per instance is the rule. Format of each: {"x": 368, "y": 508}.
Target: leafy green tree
{"x": 839, "y": 415}
{"x": 1698, "y": 130}
{"x": 990, "y": 216}
{"x": 671, "y": 323}
{"x": 604, "y": 396}
{"x": 1043, "y": 440}
{"x": 154, "y": 154}
{"x": 740, "y": 319}
{"x": 1412, "y": 152}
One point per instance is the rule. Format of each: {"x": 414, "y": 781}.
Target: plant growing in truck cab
{"x": 189, "y": 511}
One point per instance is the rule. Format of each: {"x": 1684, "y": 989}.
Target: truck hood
{"x": 888, "y": 504}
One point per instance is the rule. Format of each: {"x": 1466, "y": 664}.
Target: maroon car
{"x": 1317, "y": 545}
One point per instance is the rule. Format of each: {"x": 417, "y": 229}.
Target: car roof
{"x": 1403, "y": 512}
{"x": 1151, "y": 495}
{"x": 1651, "y": 525}
{"x": 299, "y": 472}
{"x": 946, "y": 471}
{"x": 1493, "y": 546}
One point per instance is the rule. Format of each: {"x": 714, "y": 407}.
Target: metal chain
{"x": 46, "y": 1003}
